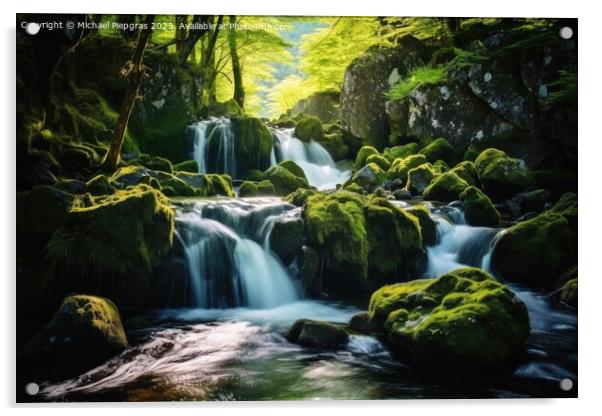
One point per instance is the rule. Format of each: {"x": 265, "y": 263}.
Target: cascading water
{"x": 316, "y": 162}
{"x": 215, "y": 137}
{"x": 215, "y": 133}
{"x": 226, "y": 246}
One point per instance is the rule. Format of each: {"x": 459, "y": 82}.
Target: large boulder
{"x": 536, "y": 251}
{"x": 253, "y": 143}
{"x": 363, "y": 154}
{"x": 367, "y": 79}
{"x": 317, "y": 334}
{"x": 309, "y": 128}
{"x": 437, "y": 149}
{"x": 428, "y": 228}
{"x": 462, "y": 320}
{"x": 124, "y": 235}
{"x": 323, "y": 105}
{"x": 84, "y": 332}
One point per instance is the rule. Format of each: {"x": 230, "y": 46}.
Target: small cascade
{"x": 316, "y": 162}
{"x": 459, "y": 245}
{"x": 226, "y": 248}
{"x": 215, "y": 136}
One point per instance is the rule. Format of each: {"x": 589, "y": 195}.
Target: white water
{"x": 316, "y": 162}
{"x": 226, "y": 246}
{"x": 217, "y": 133}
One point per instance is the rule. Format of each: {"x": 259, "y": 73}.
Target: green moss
{"x": 293, "y": 168}
{"x": 394, "y": 236}
{"x": 363, "y": 154}
{"x": 125, "y": 234}
{"x": 428, "y": 228}
{"x": 354, "y": 187}
{"x": 335, "y": 227}
{"x": 219, "y": 185}
{"x": 299, "y": 197}
{"x": 247, "y": 189}
{"x": 397, "y": 152}
{"x": 99, "y": 185}
{"x": 253, "y": 143}
{"x": 500, "y": 175}
{"x": 419, "y": 178}
{"x": 567, "y": 207}
{"x": 437, "y": 149}
{"x": 568, "y": 293}
{"x": 335, "y": 144}
{"x": 445, "y": 322}
{"x": 369, "y": 177}
{"x": 400, "y": 167}
{"x": 479, "y": 209}
{"x": 187, "y": 166}
{"x": 421, "y": 76}
{"x": 536, "y": 251}
{"x": 284, "y": 180}
{"x": 309, "y": 128}
{"x": 440, "y": 166}
{"x": 380, "y": 160}
{"x": 253, "y": 175}
{"x": 445, "y": 187}
{"x": 471, "y": 154}
{"x": 160, "y": 163}
{"x": 224, "y": 109}
{"x": 466, "y": 170}
{"x": 266, "y": 188}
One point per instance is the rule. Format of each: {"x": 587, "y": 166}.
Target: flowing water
{"x": 230, "y": 344}
{"x": 215, "y": 152}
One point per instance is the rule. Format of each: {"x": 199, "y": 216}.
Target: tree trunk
{"x": 208, "y": 67}
{"x": 193, "y": 36}
{"x": 239, "y": 92}
{"x": 181, "y": 32}
{"x": 134, "y": 72}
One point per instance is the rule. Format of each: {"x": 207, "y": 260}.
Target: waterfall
{"x": 215, "y": 134}
{"x": 458, "y": 245}
{"x": 226, "y": 248}
{"x": 316, "y": 162}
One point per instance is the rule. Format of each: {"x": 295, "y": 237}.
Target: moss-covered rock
{"x": 478, "y": 208}
{"x": 380, "y": 160}
{"x": 440, "y": 166}
{"x": 84, "y": 332}
{"x": 401, "y": 152}
{"x": 437, "y": 149}
{"x": 253, "y": 143}
{"x": 369, "y": 177}
{"x": 445, "y": 322}
{"x": 266, "y": 187}
{"x": 286, "y": 238}
{"x": 394, "y": 237}
{"x": 122, "y": 235}
{"x": 299, "y": 197}
{"x": 400, "y": 167}
{"x": 419, "y": 178}
{"x": 253, "y": 175}
{"x": 335, "y": 227}
{"x": 218, "y": 185}
{"x": 568, "y": 293}
{"x": 361, "y": 322}
{"x": 362, "y": 156}
{"x": 500, "y": 175}
{"x": 445, "y": 187}
{"x": 317, "y": 334}
{"x": 335, "y": 144}
{"x": 284, "y": 180}
{"x": 536, "y": 251}
{"x": 160, "y": 163}
{"x": 247, "y": 189}
{"x": 309, "y": 128}
{"x": 428, "y": 228}
{"x": 191, "y": 166}
{"x": 308, "y": 261}
{"x": 99, "y": 185}
{"x": 466, "y": 170}
{"x": 293, "y": 168}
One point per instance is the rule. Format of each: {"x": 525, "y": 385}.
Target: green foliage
{"x": 445, "y": 322}
{"x": 421, "y": 76}
{"x": 562, "y": 90}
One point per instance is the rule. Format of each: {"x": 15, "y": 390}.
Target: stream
{"x": 230, "y": 345}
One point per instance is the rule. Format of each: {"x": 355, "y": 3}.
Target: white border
{"x": 590, "y": 111}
